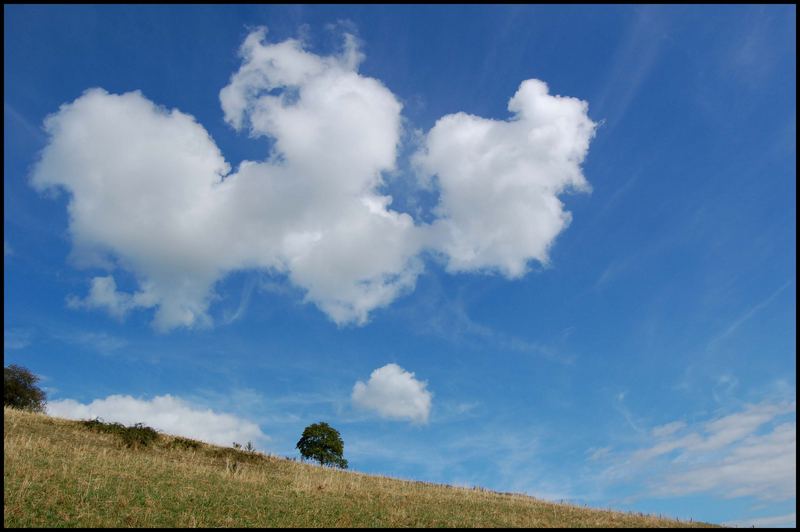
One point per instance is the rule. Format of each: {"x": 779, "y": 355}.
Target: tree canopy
{"x": 20, "y": 390}
{"x": 322, "y": 443}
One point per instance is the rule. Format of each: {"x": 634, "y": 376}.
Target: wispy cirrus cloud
{"x": 26, "y": 125}
{"x": 786, "y": 520}
{"x": 17, "y": 338}
{"x": 448, "y": 317}
{"x": 491, "y": 456}
{"x": 749, "y": 452}
{"x": 755, "y": 309}
{"x": 101, "y": 342}
{"x": 634, "y": 59}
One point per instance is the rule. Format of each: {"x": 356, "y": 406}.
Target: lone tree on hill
{"x": 322, "y": 443}
{"x": 20, "y": 390}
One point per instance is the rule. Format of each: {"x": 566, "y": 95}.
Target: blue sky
{"x": 603, "y": 313}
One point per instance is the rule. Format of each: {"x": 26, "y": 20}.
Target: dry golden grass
{"x": 58, "y": 473}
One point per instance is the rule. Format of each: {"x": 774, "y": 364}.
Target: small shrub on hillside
{"x": 138, "y": 435}
{"x": 184, "y": 443}
{"x": 98, "y": 425}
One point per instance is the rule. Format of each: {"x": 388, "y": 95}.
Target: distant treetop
{"x": 20, "y": 390}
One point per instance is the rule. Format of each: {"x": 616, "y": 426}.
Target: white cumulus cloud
{"x": 499, "y": 180}
{"x": 394, "y": 393}
{"x": 151, "y": 194}
{"x": 166, "y": 413}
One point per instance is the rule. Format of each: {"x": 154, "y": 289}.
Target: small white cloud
{"x": 103, "y": 294}
{"x": 166, "y": 413}
{"x": 394, "y": 393}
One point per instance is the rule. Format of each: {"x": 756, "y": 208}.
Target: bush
{"x": 184, "y": 443}
{"x": 138, "y": 435}
{"x": 20, "y": 390}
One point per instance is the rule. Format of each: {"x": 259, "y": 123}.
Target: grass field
{"x": 60, "y": 473}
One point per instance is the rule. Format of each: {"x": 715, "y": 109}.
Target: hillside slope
{"x": 59, "y": 473}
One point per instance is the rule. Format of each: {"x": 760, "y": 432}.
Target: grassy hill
{"x": 62, "y": 473}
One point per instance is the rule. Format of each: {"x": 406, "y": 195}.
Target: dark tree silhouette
{"x": 20, "y": 390}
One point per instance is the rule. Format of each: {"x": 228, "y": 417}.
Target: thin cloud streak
{"x": 746, "y": 316}
{"x": 633, "y": 61}
{"x": 748, "y": 453}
